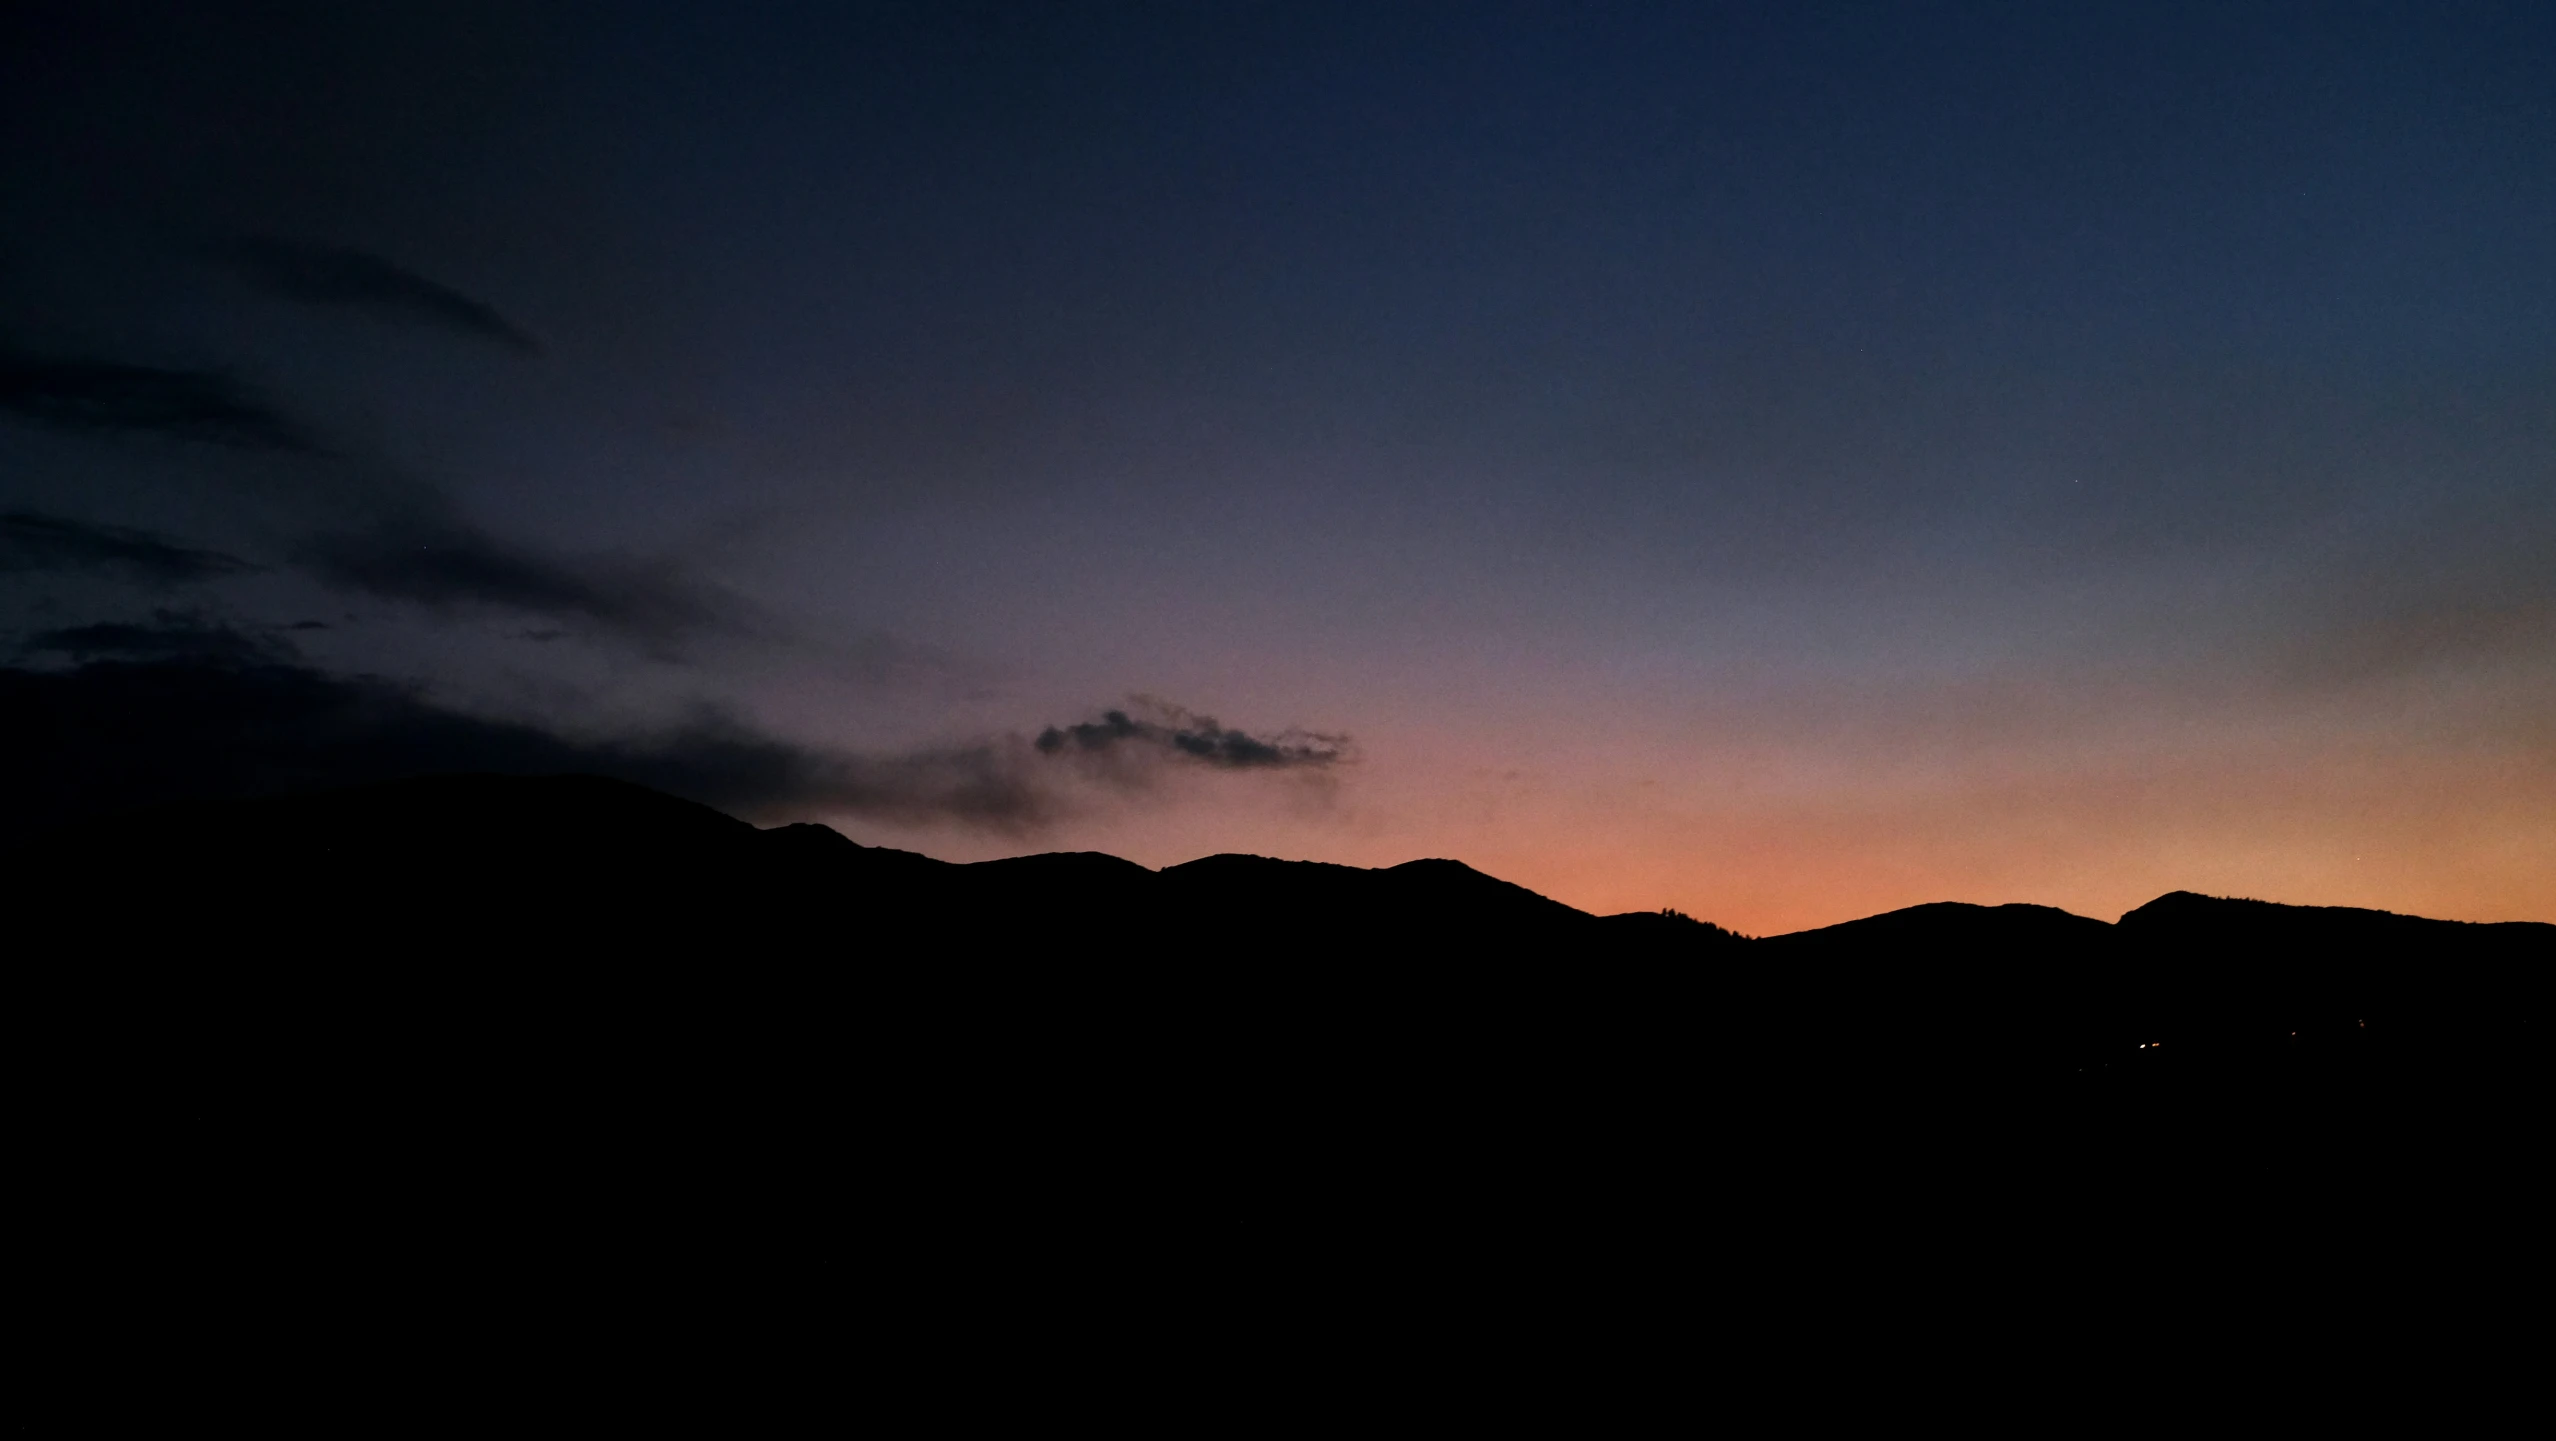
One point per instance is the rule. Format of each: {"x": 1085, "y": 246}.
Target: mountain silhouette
{"x": 473, "y": 1029}
{"x": 547, "y": 886}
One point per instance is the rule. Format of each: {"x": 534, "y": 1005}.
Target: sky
{"x": 1777, "y": 462}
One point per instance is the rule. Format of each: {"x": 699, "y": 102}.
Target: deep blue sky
{"x": 1778, "y": 461}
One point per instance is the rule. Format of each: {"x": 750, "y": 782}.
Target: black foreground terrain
{"x": 491, "y": 896}
{"x": 436, "y": 1037}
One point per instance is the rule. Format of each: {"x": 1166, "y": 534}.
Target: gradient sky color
{"x": 1782, "y": 462}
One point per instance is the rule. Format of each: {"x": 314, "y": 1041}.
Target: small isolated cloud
{"x": 334, "y": 275}
{"x": 29, "y": 541}
{"x": 448, "y": 567}
{"x": 1181, "y": 735}
{"x": 112, "y": 398}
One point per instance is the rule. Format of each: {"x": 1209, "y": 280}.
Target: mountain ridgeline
{"x": 434, "y": 1036}
{"x": 499, "y": 899}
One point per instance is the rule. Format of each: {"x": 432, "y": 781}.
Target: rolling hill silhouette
{"x": 430, "y": 1038}
{"x": 550, "y": 888}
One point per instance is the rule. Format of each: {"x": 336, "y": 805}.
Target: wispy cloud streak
{"x": 450, "y": 566}
{"x": 180, "y": 707}
{"x": 114, "y": 398}
{"x": 337, "y": 276}
{"x": 32, "y": 541}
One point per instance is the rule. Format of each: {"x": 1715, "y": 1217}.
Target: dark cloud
{"x": 330, "y": 275}
{"x": 447, "y": 567}
{"x": 113, "y": 398}
{"x": 413, "y": 549}
{"x": 247, "y": 719}
{"x": 1196, "y": 738}
{"x": 29, "y": 541}
{"x": 170, "y": 635}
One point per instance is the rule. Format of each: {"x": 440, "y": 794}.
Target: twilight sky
{"x": 1783, "y": 462}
